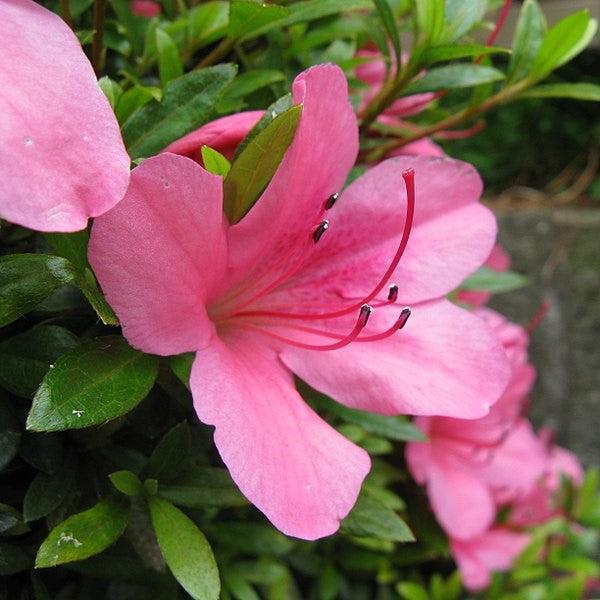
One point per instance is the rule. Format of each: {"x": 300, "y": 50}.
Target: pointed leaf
{"x": 127, "y": 483}
{"x": 529, "y": 35}
{"x": 451, "y": 52}
{"x": 488, "y": 280}
{"x": 170, "y": 455}
{"x": 461, "y": 16}
{"x": 169, "y": 61}
{"x": 246, "y": 16}
{"x": 387, "y": 18}
{"x": 429, "y": 17}
{"x": 576, "y": 91}
{"x": 215, "y": 162}
{"x": 453, "y": 76}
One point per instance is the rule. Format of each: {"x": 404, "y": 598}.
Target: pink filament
{"x": 409, "y": 180}
{"x": 499, "y": 23}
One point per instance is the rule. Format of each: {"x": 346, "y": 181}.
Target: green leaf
{"x": 169, "y": 62}
{"x": 394, "y": 428}
{"x": 429, "y": 19}
{"x": 412, "y": 591}
{"x": 26, "y": 279}
{"x": 13, "y": 559}
{"x": 562, "y": 42}
{"x": 252, "y": 538}
{"x": 496, "y": 282}
{"x": 47, "y": 492}
{"x": 576, "y": 91}
{"x": 127, "y": 483}
{"x": 43, "y": 451}
{"x": 207, "y": 23}
{"x": 528, "y": 38}
{"x": 100, "y": 380}
{"x": 73, "y": 247}
{"x": 134, "y": 99}
{"x": 84, "y": 534}
{"x": 453, "y": 76}
{"x": 188, "y": 102}
{"x": 26, "y": 358}
{"x": 252, "y": 170}
{"x": 244, "y": 85}
{"x": 181, "y": 365}
{"x": 436, "y": 54}
{"x": 387, "y": 18}
{"x": 11, "y": 521}
{"x": 112, "y": 90}
{"x": 240, "y": 589}
{"x": 185, "y": 550}
{"x": 370, "y": 517}
{"x": 202, "y": 487}
{"x": 10, "y": 432}
{"x": 170, "y": 456}
{"x": 215, "y": 162}
{"x": 247, "y": 16}
{"x": 461, "y": 16}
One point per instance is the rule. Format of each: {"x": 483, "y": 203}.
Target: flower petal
{"x": 294, "y": 467}
{"x": 62, "y": 159}
{"x": 444, "y": 362}
{"x": 160, "y": 253}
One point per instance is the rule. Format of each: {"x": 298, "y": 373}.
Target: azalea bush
{"x": 245, "y": 348}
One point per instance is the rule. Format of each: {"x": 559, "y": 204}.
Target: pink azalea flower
{"x": 471, "y": 466}
{"x": 498, "y": 260}
{"x": 493, "y": 550}
{"x": 62, "y": 159}
{"x": 145, "y": 8}
{"x": 277, "y": 294}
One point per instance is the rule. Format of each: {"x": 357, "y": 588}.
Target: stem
{"x": 65, "y": 11}
{"x": 225, "y": 45}
{"x": 97, "y": 45}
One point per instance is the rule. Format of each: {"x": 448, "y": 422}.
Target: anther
{"x": 393, "y": 293}
{"x": 365, "y": 313}
{"x": 321, "y": 228}
{"x": 401, "y": 321}
{"x": 331, "y": 201}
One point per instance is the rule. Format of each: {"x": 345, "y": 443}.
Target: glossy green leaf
{"x": 252, "y": 170}
{"x": 564, "y": 41}
{"x": 47, "y": 492}
{"x": 207, "y": 23}
{"x": 371, "y": 517}
{"x": 389, "y": 22}
{"x": 43, "y": 451}
{"x": 188, "y": 102}
{"x": 26, "y": 279}
{"x": 10, "y": 432}
{"x": 429, "y": 17}
{"x": 244, "y": 85}
{"x": 112, "y": 90}
{"x": 436, "y": 54}
{"x": 201, "y": 487}
{"x": 215, "y": 162}
{"x": 13, "y": 559}
{"x": 169, "y": 62}
{"x": 527, "y": 40}
{"x": 133, "y": 99}
{"x": 84, "y": 534}
{"x": 26, "y": 358}
{"x": 461, "y": 17}
{"x": 252, "y": 538}
{"x": 127, "y": 483}
{"x": 73, "y": 247}
{"x": 488, "y": 280}
{"x": 576, "y": 91}
{"x": 185, "y": 550}
{"x": 409, "y": 590}
{"x": 11, "y": 521}
{"x": 169, "y": 458}
{"x": 100, "y": 380}
{"x": 246, "y": 16}
{"x": 453, "y": 76}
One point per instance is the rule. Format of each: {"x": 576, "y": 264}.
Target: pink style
{"x": 284, "y": 292}
{"x": 62, "y": 159}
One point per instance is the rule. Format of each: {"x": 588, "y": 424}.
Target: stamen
{"x": 322, "y": 227}
{"x": 409, "y": 180}
{"x": 399, "y": 324}
{"x": 393, "y": 293}
{"x": 331, "y": 201}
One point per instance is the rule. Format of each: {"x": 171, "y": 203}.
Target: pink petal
{"x": 160, "y": 253}
{"x": 314, "y": 167}
{"x": 563, "y": 462}
{"x": 461, "y": 502}
{"x": 223, "y": 135}
{"x": 145, "y": 8}
{"x": 62, "y": 159}
{"x": 452, "y": 234}
{"x": 294, "y": 467}
{"x": 444, "y": 362}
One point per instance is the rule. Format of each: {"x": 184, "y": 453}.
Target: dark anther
{"x": 404, "y": 314}
{"x": 322, "y": 227}
{"x": 365, "y": 313}
{"x": 331, "y": 201}
{"x": 393, "y": 293}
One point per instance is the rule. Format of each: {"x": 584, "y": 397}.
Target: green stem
{"x": 97, "y": 42}
{"x": 217, "y": 53}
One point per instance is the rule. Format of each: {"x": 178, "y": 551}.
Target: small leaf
{"x": 244, "y": 85}
{"x": 185, "y": 550}
{"x": 84, "y": 534}
{"x": 488, "y": 280}
{"x": 169, "y": 61}
{"x": 127, "y": 483}
{"x": 26, "y": 358}
{"x": 252, "y": 538}
{"x": 112, "y": 90}
{"x": 11, "y": 521}
{"x": 169, "y": 457}
{"x": 429, "y": 17}
{"x": 412, "y": 591}
{"x": 134, "y": 99}
{"x": 461, "y": 16}
{"x": 100, "y": 380}
{"x": 576, "y": 91}
{"x": 10, "y": 432}
{"x": 370, "y": 517}
{"x": 215, "y": 162}
{"x": 529, "y": 35}
{"x": 26, "y": 279}
{"x": 252, "y": 170}
{"x": 387, "y": 18}
{"x": 203, "y": 487}
{"x": 453, "y": 76}
{"x": 188, "y": 102}
{"x": 436, "y": 54}
{"x": 246, "y": 16}
{"x": 564, "y": 41}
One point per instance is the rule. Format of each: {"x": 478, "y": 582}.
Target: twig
{"x": 97, "y": 42}
{"x": 65, "y": 11}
